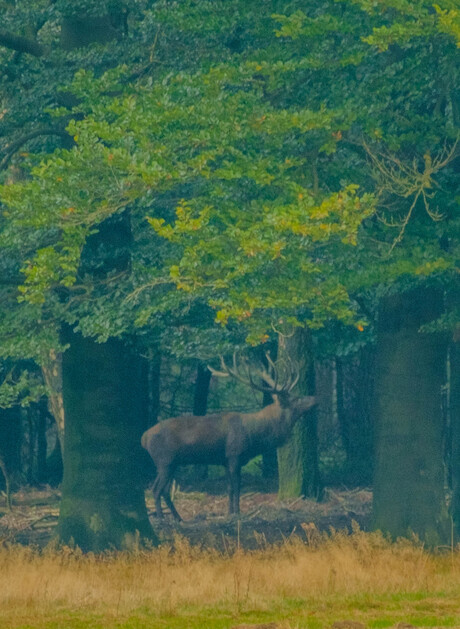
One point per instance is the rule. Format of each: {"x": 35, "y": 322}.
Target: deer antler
{"x": 269, "y": 376}
{"x": 236, "y": 372}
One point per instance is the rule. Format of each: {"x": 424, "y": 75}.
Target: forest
{"x": 262, "y": 189}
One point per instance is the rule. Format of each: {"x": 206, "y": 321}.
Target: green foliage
{"x": 280, "y": 163}
{"x": 250, "y": 236}
{"x": 20, "y": 389}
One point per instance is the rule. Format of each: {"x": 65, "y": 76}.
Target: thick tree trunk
{"x": 410, "y": 371}
{"x": 104, "y": 394}
{"x": 454, "y": 412}
{"x": 298, "y": 459}
{"x": 103, "y": 502}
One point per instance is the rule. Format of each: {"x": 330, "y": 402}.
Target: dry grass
{"x": 330, "y": 579}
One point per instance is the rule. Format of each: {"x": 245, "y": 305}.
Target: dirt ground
{"x": 264, "y": 519}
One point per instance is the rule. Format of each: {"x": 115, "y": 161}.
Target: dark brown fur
{"x": 229, "y": 439}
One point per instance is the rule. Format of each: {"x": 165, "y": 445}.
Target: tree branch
{"x": 13, "y": 147}
{"x": 21, "y": 44}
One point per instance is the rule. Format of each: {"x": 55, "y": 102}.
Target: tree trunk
{"x": 78, "y": 30}
{"x": 10, "y": 438}
{"x": 453, "y": 409}
{"x": 410, "y": 371}
{"x": 103, "y": 502}
{"x": 200, "y": 398}
{"x": 298, "y": 459}
{"x": 42, "y": 446}
{"x": 354, "y": 394}
{"x": 154, "y": 384}
{"x": 52, "y": 375}
{"x": 150, "y": 382}
{"x": 30, "y": 458}
{"x": 10, "y": 448}
{"x": 54, "y": 465}
{"x": 200, "y": 405}
{"x": 269, "y": 458}
{"x": 454, "y": 412}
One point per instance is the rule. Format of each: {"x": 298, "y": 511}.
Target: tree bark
{"x": 154, "y": 384}
{"x": 10, "y": 448}
{"x": 31, "y": 441}
{"x": 200, "y": 398}
{"x": 52, "y": 375}
{"x": 150, "y": 385}
{"x": 454, "y": 414}
{"x": 354, "y": 394}
{"x": 410, "y": 371}
{"x": 200, "y": 405}
{"x": 270, "y": 458}
{"x": 42, "y": 445}
{"x": 103, "y": 502}
{"x": 454, "y": 411}
{"x": 298, "y": 467}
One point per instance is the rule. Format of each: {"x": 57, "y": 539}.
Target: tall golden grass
{"x": 167, "y": 581}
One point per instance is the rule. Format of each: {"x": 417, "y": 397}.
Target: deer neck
{"x": 292, "y": 409}
{"x": 285, "y": 412}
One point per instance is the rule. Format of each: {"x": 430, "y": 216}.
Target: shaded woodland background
{"x": 183, "y": 180}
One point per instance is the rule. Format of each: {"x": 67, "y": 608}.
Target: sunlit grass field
{"x": 361, "y": 578}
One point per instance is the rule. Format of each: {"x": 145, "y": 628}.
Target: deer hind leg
{"x": 156, "y": 490}
{"x": 169, "y": 503}
{"x": 234, "y": 481}
{"x": 161, "y": 487}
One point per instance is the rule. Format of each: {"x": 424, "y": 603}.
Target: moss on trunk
{"x": 298, "y": 469}
{"x": 410, "y": 371}
{"x": 103, "y": 502}
{"x": 454, "y": 412}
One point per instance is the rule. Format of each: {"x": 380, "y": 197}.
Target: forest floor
{"x": 264, "y": 519}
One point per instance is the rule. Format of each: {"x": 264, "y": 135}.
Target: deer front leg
{"x": 234, "y": 481}
{"x": 157, "y": 496}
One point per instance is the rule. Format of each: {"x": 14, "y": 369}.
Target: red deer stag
{"x": 230, "y": 438}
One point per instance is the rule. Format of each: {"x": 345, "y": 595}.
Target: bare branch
{"x": 411, "y": 181}
{"x": 14, "y": 146}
